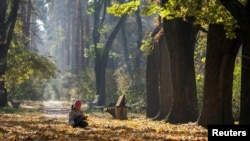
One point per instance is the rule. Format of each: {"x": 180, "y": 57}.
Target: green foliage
{"x": 134, "y": 90}
{"x": 65, "y": 86}
{"x": 23, "y": 64}
{"x": 173, "y": 9}
{"x": 151, "y": 9}
{"x": 200, "y": 86}
{"x": 205, "y": 13}
{"x": 91, "y": 6}
{"x": 123, "y": 9}
{"x": 9, "y": 109}
{"x": 88, "y": 85}
{"x": 54, "y": 90}
{"x": 199, "y": 60}
{"x": 29, "y": 89}
{"x": 237, "y": 88}
{"x": 111, "y": 86}
{"x": 147, "y": 44}
{"x": 215, "y": 13}
{"x": 90, "y": 53}
{"x": 26, "y": 70}
{"x": 68, "y": 86}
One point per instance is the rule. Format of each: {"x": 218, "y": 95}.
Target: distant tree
{"x": 139, "y": 33}
{"x": 74, "y": 37}
{"x": 7, "y": 24}
{"x": 126, "y": 51}
{"x": 102, "y": 55}
{"x": 26, "y": 12}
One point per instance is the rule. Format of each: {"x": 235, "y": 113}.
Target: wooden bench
{"x": 110, "y": 109}
{"x": 119, "y": 110}
{"x": 101, "y": 108}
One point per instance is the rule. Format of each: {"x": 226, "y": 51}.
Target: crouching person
{"x": 77, "y": 117}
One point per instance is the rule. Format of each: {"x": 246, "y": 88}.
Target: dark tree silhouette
{"x": 219, "y": 67}
{"x": 7, "y": 24}
{"x": 242, "y": 14}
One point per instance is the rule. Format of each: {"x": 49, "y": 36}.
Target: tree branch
{"x": 236, "y": 9}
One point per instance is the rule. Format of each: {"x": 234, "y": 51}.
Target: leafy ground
{"x": 43, "y": 126}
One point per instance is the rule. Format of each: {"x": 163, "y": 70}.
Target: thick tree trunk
{"x": 245, "y": 78}
{"x": 181, "y": 37}
{"x": 241, "y": 13}
{"x": 217, "y": 98}
{"x": 152, "y": 82}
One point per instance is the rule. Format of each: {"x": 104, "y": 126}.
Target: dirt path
{"x": 58, "y": 109}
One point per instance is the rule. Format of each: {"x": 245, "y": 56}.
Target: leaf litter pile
{"x": 102, "y": 127}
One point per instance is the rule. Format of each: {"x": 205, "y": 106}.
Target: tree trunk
{"x": 241, "y": 14}
{"x": 219, "y": 67}
{"x": 137, "y": 63}
{"x": 152, "y": 82}
{"x": 67, "y": 57}
{"x": 79, "y": 40}
{"x": 245, "y": 78}
{"x": 126, "y": 52}
{"x": 166, "y": 88}
{"x": 25, "y": 9}
{"x": 74, "y": 40}
{"x": 101, "y": 63}
{"x": 6, "y": 30}
{"x": 180, "y": 38}
{"x": 86, "y": 32}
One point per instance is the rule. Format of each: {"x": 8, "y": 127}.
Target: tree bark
{"x": 7, "y": 24}
{"x": 165, "y": 81}
{"x": 101, "y": 63}
{"x": 241, "y": 14}
{"x": 152, "y": 82}
{"x": 25, "y": 9}
{"x": 180, "y": 38}
{"x": 219, "y": 67}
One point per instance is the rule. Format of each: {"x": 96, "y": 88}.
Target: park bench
{"x": 118, "y": 110}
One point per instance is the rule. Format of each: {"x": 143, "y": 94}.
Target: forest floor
{"x": 48, "y": 121}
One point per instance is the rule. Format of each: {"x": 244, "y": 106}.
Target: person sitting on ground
{"x": 77, "y": 118}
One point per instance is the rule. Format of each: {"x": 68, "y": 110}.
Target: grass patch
{"x": 9, "y": 110}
